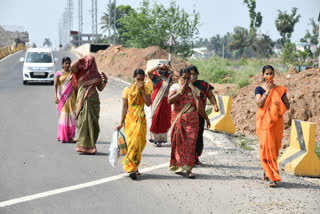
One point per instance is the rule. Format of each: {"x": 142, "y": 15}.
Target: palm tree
{"x": 240, "y": 40}
{"x": 107, "y": 19}
{"x": 47, "y": 42}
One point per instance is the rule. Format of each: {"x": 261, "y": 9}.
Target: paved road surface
{"x": 31, "y": 161}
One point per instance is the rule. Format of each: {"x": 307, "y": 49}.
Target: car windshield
{"x": 39, "y": 57}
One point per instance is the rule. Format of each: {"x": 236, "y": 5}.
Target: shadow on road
{"x": 231, "y": 167}
{"x": 97, "y": 154}
{"x": 287, "y": 185}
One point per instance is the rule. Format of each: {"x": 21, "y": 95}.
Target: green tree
{"x": 107, "y": 20}
{"x": 255, "y": 17}
{"x": 289, "y": 53}
{"x": 240, "y": 41}
{"x": 312, "y": 38}
{"x": 285, "y": 24}
{"x": 152, "y": 24}
{"x": 47, "y": 42}
{"x": 263, "y": 45}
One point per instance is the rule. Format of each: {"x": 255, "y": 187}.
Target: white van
{"x": 38, "y": 65}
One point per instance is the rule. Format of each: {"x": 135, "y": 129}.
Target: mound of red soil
{"x": 303, "y": 94}
{"x": 121, "y": 62}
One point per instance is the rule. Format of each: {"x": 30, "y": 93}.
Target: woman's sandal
{"x": 137, "y": 172}
{"x": 190, "y": 175}
{"x": 273, "y": 184}
{"x": 133, "y": 175}
{"x": 264, "y": 177}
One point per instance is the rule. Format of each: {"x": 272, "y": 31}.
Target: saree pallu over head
{"x": 89, "y": 77}
{"x": 135, "y": 127}
{"x": 270, "y": 127}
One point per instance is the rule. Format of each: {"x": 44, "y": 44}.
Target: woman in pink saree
{"x": 65, "y": 97}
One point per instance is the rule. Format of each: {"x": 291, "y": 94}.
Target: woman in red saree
{"x": 185, "y": 123}
{"x": 86, "y": 80}
{"x": 273, "y": 103}
{"x": 161, "y": 78}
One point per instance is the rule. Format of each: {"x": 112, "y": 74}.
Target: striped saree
{"x": 66, "y": 108}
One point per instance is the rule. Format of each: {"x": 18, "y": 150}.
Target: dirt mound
{"x": 121, "y": 62}
{"x": 8, "y": 37}
{"x": 303, "y": 94}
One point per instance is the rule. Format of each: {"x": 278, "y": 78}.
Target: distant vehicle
{"x": 38, "y": 65}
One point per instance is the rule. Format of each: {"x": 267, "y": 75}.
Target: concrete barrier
{"x": 221, "y": 121}
{"x": 10, "y": 49}
{"x": 300, "y": 157}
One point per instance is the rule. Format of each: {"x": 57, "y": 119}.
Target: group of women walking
{"x": 179, "y": 106}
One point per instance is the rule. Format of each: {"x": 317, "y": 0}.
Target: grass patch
{"x": 130, "y": 80}
{"x": 219, "y": 70}
{"x": 244, "y": 143}
{"x": 123, "y": 54}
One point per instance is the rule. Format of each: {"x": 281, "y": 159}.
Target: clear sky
{"x": 41, "y": 17}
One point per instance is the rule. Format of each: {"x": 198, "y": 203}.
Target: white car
{"x": 38, "y": 65}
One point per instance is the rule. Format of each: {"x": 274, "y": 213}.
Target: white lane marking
{"x": 75, "y": 187}
{"x": 10, "y": 55}
{"x": 81, "y": 186}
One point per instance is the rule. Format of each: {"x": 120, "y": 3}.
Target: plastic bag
{"x": 122, "y": 144}
{"x": 113, "y": 149}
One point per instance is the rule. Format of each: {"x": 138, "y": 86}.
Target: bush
{"x": 215, "y": 70}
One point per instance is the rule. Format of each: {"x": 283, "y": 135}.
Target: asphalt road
{"x": 32, "y": 161}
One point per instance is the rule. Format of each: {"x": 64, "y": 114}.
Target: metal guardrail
{"x": 10, "y": 49}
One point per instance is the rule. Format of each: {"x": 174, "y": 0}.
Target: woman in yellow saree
{"x": 133, "y": 119}
{"x": 273, "y": 103}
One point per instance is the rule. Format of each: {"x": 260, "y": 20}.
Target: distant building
{"x": 277, "y": 50}
{"x": 301, "y": 46}
{"x": 202, "y": 53}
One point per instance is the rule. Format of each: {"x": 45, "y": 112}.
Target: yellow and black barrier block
{"x": 300, "y": 157}
{"x": 221, "y": 121}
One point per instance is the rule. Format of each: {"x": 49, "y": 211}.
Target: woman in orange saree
{"x": 273, "y": 103}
